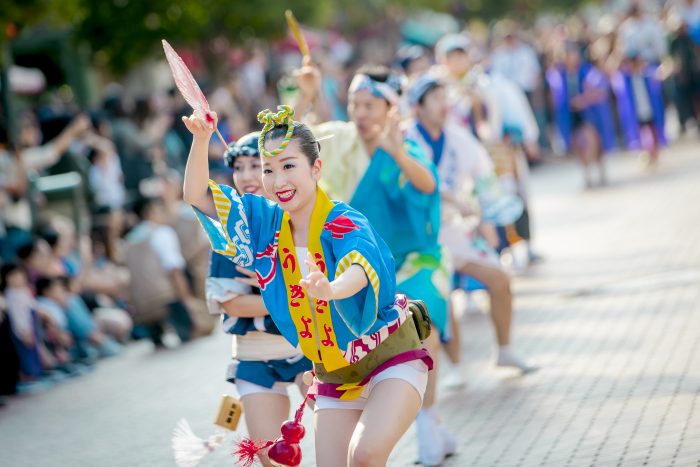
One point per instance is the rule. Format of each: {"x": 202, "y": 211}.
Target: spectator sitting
{"x": 23, "y": 314}
{"x": 195, "y": 245}
{"x": 9, "y": 363}
{"x": 57, "y": 335}
{"x": 90, "y": 341}
{"x": 159, "y": 289}
{"x": 34, "y": 257}
{"x": 113, "y": 223}
{"x": 99, "y": 289}
{"x": 105, "y": 252}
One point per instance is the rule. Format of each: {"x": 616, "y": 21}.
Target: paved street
{"x": 612, "y": 317}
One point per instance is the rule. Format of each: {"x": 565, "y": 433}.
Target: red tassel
{"x": 246, "y": 449}
{"x": 284, "y": 450}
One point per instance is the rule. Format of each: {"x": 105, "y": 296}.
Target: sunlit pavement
{"x": 612, "y": 317}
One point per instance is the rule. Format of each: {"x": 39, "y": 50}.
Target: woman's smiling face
{"x": 288, "y": 178}
{"x": 247, "y": 172}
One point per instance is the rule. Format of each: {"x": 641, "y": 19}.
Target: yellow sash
{"x": 314, "y": 328}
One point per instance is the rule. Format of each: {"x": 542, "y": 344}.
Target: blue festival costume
{"x": 335, "y": 336}
{"x": 221, "y": 286}
{"x": 406, "y": 218}
{"x": 409, "y": 221}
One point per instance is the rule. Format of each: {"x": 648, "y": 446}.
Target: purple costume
{"x": 598, "y": 114}
{"x": 626, "y": 107}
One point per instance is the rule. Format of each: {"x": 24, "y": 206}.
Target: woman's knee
{"x": 365, "y": 452}
{"x": 500, "y": 283}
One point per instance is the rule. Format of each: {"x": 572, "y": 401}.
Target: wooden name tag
{"x": 230, "y": 412}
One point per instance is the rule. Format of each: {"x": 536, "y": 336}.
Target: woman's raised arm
{"x": 195, "y": 189}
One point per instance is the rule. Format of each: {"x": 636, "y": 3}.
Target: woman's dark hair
{"x": 142, "y": 110}
{"x": 431, "y": 88}
{"x": 114, "y": 106}
{"x": 98, "y": 117}
{"x": 305, "y": 138}
{"x": 144, "y": 204}
{"x": 5, "y": 272}
{"x": 27, "y": 249}
{"x": 92, "y": 155}
{"x": 45, "y": 283}
{"x": 49, "y": 234}
{"x": 245, "y": 146}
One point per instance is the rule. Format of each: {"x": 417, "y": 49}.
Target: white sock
{"x": 452, "y": 376}
{"x": 431, "y": 450}
{"x": 506, "y": 357}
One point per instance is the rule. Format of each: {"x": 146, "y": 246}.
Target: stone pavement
{"x": 612, "y": 317}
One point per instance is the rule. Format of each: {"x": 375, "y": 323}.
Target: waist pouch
{"x": 404, "y": 339}
{"x": 421, "y": 318}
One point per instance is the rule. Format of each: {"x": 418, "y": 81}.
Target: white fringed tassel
{"x": 189, "y": 448}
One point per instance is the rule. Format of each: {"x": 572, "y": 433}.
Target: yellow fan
{"x": 296, "y": 31}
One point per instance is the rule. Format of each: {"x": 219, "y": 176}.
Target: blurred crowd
{"x": 128, "y": 260}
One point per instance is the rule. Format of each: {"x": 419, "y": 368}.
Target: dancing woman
{"x": 264, "y": 364}
{"x": 328, "y": 281}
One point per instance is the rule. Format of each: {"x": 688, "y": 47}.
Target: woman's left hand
{"x": 249, "y": 277}
{"x": 316, "y": 283}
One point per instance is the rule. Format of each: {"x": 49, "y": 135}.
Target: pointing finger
{"x": 310, "y": 263}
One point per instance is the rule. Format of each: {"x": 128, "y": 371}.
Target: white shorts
{"x": 246, "y": 388}
{"x": 414, "y": 373}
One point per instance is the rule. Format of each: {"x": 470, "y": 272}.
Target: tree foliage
{"x": 121, "y": 33}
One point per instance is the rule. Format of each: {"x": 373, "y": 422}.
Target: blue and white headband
{"x": 420, "y": 88}
{"x": 362, "y": 82}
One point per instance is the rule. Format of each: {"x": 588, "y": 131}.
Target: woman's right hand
{"x": 316, "y": 283}
{"x": 199, "y": 127}
{"x": 308, "y": 78}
